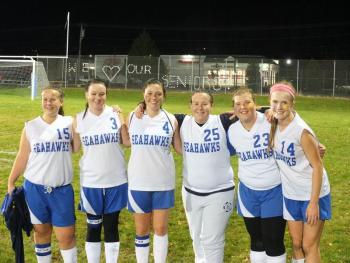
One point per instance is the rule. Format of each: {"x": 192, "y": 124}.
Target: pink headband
{"x": 283, "y": 87}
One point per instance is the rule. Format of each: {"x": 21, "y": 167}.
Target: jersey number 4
{"x": 166, "y": 127}
{"x": 290, "y": 148}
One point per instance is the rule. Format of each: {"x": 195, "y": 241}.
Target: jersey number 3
{"x": 114, "y": 123}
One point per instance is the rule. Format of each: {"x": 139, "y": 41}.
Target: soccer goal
{"x": 23, "y": 73}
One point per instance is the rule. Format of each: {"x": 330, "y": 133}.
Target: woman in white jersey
{"x": 45, "y": 159}
{"x": 306, "y": 190}
{"x": 259, "y": 191}
{"x": 151, "y": 172}
{"x": 208, "y": 186}
{"x": 100, "y": 131}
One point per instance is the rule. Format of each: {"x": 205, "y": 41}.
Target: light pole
{"x": 81, "y": 37}
{"x": 199, "y": 66}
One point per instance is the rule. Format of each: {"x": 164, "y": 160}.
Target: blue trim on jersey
{"x": 168, "y": 120}
{"x": 180, "y": 119}
{"x": 295, "y": 210}
{"x": 230, "y": 147}
{"x": 259, "y": 203}
{"x": 54, "y": 205}
{"x": 99, "y": 201}
{"x": 147, "y": 201}
{"x": 132, "y": 116}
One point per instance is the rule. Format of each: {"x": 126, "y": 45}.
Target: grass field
{"x": 329, "y": 117}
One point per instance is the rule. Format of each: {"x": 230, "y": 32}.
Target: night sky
{"x": 295, "y": 29}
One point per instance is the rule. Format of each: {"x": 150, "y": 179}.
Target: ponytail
{"x": 272, "y": 134}
{"x": 61, "y": 111}
{"x": 86, "y": 108}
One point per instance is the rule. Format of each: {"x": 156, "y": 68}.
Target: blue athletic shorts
{"x": 99, "y": 201}
{"x": 259, "y": 203}
{"x": 295, "y": 210}
{"x": 147, "y": 201}
{"x": 53, "y": 205}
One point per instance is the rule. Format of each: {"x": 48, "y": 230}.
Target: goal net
{"x": 23, "y": 73}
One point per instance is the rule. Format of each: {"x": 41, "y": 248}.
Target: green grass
{"x": 329, "y": 117}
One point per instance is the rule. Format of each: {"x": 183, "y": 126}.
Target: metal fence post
{"x": 334, "y": 65}
{"x": 261, "y": 76}
{"x": 192, "y": 77}
{"x": 126, "y": 72}
{"x": 158, "y": 68}
{"x": 297, "y": 76}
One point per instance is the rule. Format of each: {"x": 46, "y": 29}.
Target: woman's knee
{"x": 43, "y": 233}
{"x": 65, "y": 237}
{"x": 310, "y": 247}
{"x": 142, "y": 229}
{"x": 297, "y": 244}
{"x": 160, "y": 229}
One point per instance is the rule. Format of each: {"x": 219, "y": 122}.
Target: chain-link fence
{"x": 214, "y": 73}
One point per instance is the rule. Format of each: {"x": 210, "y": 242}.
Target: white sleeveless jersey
{"x": 151, "y": 165}
{"x": 102, "y": 164}
{"x": 206, "y": 158}
{"x": 257, "y": 168}
{"x": 296, "y": 171}
{"x": 50, "y": 158}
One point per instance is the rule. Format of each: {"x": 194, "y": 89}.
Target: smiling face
{"x": 154, "y": 97}
{"x": 282, "y": 105}
{"x": 244, "y": 107}
{"x": 96, "y": 97}
{"x": 51, "y": 102}
{"x": 201, "y": 105}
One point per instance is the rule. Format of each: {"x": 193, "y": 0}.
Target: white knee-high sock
{"x": 142, "y": 248}
{"x": 277, "y": 259}
{"x": 69, "y": 255}
{"x": 257, "y": 256}
{"x": 43, "y": 253}
{"x": 111, "y": 251}
{"x": 302, "y": 260}
{"x": 93, "y": 251}
{"x": 160, "y": 248}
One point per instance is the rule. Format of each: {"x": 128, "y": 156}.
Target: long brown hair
{"x": 148, "y": 82}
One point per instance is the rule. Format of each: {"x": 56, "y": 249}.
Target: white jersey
{"x": 257, "y": 168}
{"x": 102, "y": 164}
{"x": 50, "y": 158}
{"x": 295, "y": 168}
{"x": 151, "y": 164}
{"x": 206, "y": 158}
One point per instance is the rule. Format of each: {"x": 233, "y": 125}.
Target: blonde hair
{"x": 60, "y": 96}
{"x": 242, "y": 90}
{"x": 274, "y": 121}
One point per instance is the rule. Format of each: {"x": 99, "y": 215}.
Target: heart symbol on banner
{"x": 111, "y": 71}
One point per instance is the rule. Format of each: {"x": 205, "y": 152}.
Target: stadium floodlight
{"x": 24, "y": 72}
